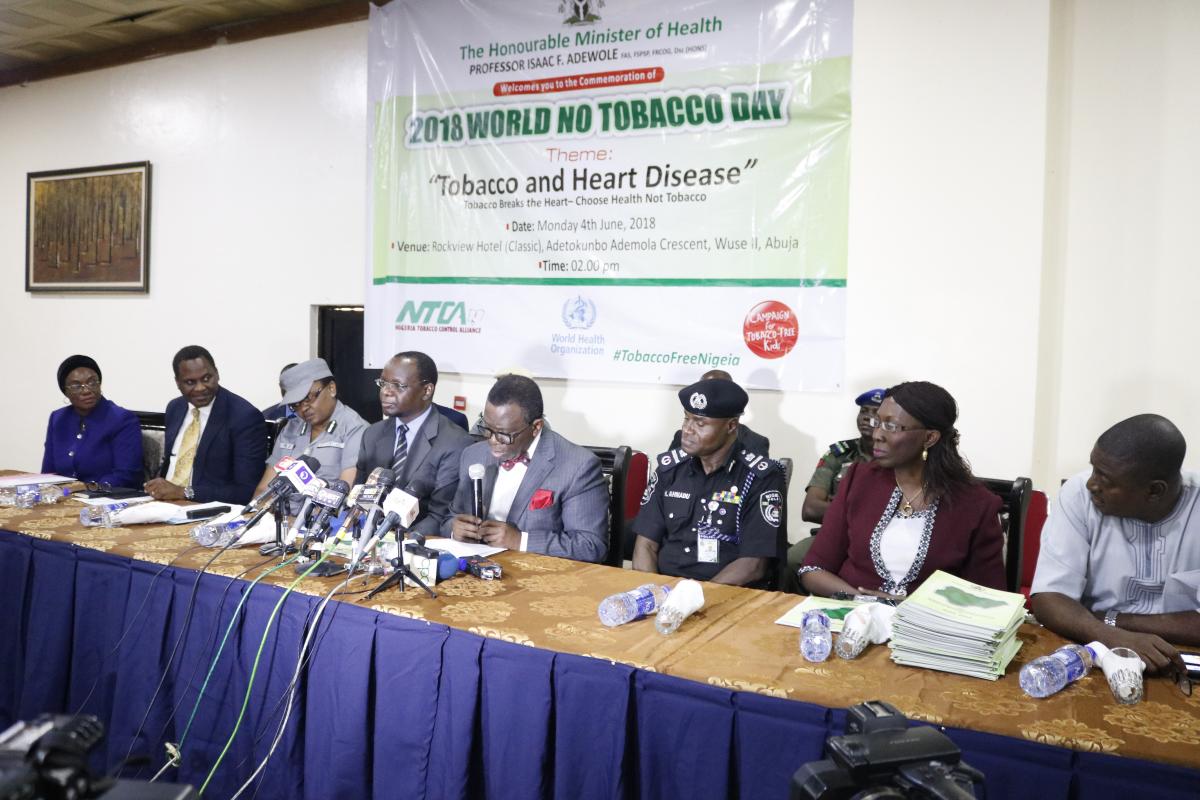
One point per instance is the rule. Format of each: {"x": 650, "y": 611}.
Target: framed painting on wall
{"x": 88, "y": 230}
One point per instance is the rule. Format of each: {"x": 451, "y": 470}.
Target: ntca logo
{"x": 438, "y": 312}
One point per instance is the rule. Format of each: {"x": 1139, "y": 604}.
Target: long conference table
{"x": 505, "y": 689}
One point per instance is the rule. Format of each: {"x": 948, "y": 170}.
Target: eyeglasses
{"x": 312, "y": 398}
{"x": 503, "y": 438}
{"x": 98, "y": 486}
{"x": 892, "y": 427}
{"x": 77, "y": 388}
{"x": 396, "y": 388}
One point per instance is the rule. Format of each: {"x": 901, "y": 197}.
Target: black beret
{"x": 714, "y": 397}
{"x": 73, "y": 363}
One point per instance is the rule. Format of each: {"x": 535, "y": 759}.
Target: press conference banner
{"x": 618, "y": 190}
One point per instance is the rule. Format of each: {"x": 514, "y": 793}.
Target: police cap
{"x": 714, "y": 398}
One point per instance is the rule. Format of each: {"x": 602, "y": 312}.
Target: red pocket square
{"x": 542, "y": 498}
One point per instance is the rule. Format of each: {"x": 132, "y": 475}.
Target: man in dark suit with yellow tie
{"x": 216, "y": 441}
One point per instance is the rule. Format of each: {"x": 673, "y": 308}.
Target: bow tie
{"x": 512, "y": 462}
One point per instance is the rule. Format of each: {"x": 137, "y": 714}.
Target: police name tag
{"x": 708, "y": 547}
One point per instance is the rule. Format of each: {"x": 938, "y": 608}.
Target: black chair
{"x": 614, "y": 462}
{"x": 274, "y": 427}
{"x": 1014, "y": 496}
{"x": 781, "y": 566}
{"x": 154, "y": 432}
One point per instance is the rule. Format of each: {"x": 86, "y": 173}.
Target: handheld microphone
{"x": 310, "y": 493}
{"x": 401, "y": 507}
{"x": 385, "y": 479}
{"x": 330, "y": 500}
{"x": 476, "y": 472}
{"x": 294, "y": 476}
{"x": 361, "y": 497}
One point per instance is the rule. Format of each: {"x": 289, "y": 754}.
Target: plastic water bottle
{"x": 34, "y": 494}
{"x": 686, "y": 599}
{"x": 217, "y": 534}
{"x": 104, "y": 516}
{"x": 1046, "y": 675}
{"x": 815, "y": 638}
{"x": 8, "y": 495}
{"x": 625, "y": 607}
{"x": 853, "y": 638}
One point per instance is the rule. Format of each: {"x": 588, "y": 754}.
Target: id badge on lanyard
{"x": 708, "y": 546}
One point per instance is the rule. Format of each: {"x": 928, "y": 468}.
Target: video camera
{"x": 46, "y": 759}
{"x": 882, "y": 757}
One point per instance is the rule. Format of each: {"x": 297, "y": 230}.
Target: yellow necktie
{"x": 187, "y": 451}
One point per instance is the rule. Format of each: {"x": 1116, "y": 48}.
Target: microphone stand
{"x": 402, "y": 571}
{"x": 277, "y": 548}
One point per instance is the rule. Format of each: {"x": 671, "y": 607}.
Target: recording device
{"x": 294, "y": 475}
{"x": 206, "y": 512}
{"x": 1191, "y": 661}
{"x": 483, "y": 568}
{"x": 476, "y": 472}
{"x": 882, "y": 757}
{"x": 423, "y": 561}
{"x": 47, "y": 758}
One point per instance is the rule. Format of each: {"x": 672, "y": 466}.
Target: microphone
{"x": 293, "y": 476}
{"x": 402, "y": 507}
{"x": 384, "y": 481}
{"x": 476, "y": 472}
{"x": 330, "y": 500}
{"x": 360, "y": 498}
{"x": 310, "y": 493}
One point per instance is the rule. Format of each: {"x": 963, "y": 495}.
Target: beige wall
{"x": 1022, "y": 205}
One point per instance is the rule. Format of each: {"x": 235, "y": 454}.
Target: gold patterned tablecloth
{"x": 732, "y": 643}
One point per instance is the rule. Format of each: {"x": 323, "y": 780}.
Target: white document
{"x": 108, "y": 501}
{"x": 462, "y": 549}
{"x": 26, "y": 478}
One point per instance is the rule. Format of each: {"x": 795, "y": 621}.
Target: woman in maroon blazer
{"x": 916, "y": 508}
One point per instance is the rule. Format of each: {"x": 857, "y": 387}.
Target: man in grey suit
{"x": 542, "y": 493}
{"x": 420, "y": 445}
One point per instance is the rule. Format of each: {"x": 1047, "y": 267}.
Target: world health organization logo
{"x": 579, "y": 313}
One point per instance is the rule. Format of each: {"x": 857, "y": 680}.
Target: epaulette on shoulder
{"x": 842, "y": 448}
{"x": 670, "y": 459}
{"x": 756, "y": 462}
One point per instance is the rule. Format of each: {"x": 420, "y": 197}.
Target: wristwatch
{"x": 190, "y": 494}
{"x": 1110, "y": 617}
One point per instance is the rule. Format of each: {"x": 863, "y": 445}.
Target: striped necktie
{"x": 187, "y": 451}
{"x": 401, "y": 454}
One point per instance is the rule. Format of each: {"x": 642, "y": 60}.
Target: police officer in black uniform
{"x": 713, "y": 509}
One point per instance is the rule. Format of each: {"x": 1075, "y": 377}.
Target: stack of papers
{"x": 953, "y": 625}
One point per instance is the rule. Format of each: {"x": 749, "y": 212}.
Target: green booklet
{"x": 836, "y": 609}
{"x": 959, "y": 606}
{"x": 953, "y": 625}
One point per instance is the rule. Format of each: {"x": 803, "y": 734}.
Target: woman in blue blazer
{"x": 93, "y": 438}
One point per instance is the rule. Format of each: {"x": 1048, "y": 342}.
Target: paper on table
{"x": 835, "y": 609}
{"x": 107, "y": 501}
{"x": 461, "y": 549}
{"x": 31, "y": 477}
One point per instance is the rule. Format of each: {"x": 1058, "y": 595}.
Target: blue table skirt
{"x": 391, "y": 707}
